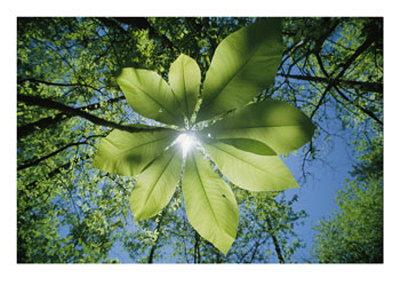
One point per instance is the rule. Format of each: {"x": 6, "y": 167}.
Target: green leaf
{"x": 249, "y": 145}
{"x": 184, "y": 79}
{"x": 150, "y": 95}
{"x": 244, "y": 64}
{"x": 128, "y": 153}
{"x": 251, "y": 171}
{"x": 156, "y": 185}
{"x": 280, "y": 126}
{"x": 211, "y": 207}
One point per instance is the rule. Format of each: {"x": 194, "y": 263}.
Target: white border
{"x": 207, "y": 282}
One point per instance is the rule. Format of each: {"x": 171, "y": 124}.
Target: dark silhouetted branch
{"x": 154, "y": 246}
{"x": 37, "y": 161}
{"x": 139, "y": 23}
{"x": 33, "y": 80}
{"x": 274, "y": 240}
{"x": 47, "y": 122}
{"x": 196, "y": 251}
{"x": 352, "y": 84}
{"x": 57, "y": 170}
{"x": 50, "y": 104}
{"x": 364, "y": 110}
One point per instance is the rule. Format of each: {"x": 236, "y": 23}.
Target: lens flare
{"x": 187, "y": 141}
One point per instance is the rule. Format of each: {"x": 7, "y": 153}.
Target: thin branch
{"x": 274, "y": 240}
{"x": 321, "y": 65}
{"x": 365, "y": 86}
{"x": 345, "y": 66}
{"x": 330, "y": 84}
{"x": 364, "y": 46}
{"x": 364, "y": 110}
{"x": 196, "y": 252}
{"x": 258, "y": 244}
{"x": 303, "y": 165}
{"x": 37, "y": 161}
{"x": 140, "y": 23}
{"x": 154, "y": 246}
{"x": 321, "y": 101}
{"x": 58, "y": 169}
{"x": 34, "y": 80}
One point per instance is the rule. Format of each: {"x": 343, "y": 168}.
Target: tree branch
{"x": 33, "y": 80}
{"x": 364, "y": 110}
{"x": 57, "y": 170}
{"x": 37, "y": 161}
{"x": 346, "y": 65}
{"x": 196, "y": 251}
{"x": 364, "y": 46}
{"x": 330, "y": 84}
{"x": 321, "y": 101}
{"x": 50, "y": 104}
{"x": 253, "y": 255}
{"x": 365, "y": 86}
{"x": 141, "y": 23}
{"x": 275, "y": 240}
{"x": 154, "y": 246}
{"x": 44, "y": 123}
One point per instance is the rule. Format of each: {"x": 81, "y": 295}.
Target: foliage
{"x": 354, "y": 234}
{"x": 68, "y": 101}
{"x": 243, "y": 64}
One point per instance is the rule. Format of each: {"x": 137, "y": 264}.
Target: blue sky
{"x": 327, "y": 176}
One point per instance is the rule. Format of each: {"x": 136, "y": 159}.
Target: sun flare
{"x": 187, "y": 141}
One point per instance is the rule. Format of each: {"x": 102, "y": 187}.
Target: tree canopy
{"x": 68, "y": 100}
{"x": 354, "y": 233}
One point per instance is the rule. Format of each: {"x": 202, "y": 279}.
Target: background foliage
{"x": 68, "y": 99}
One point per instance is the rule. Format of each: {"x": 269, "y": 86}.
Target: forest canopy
{"x": 69, "y": 100}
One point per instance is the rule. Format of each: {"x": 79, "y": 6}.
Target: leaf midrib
{"x": 238, "y": 158}
{"x": 155, "y": 182}
{"x": 136, "y": 146}
{"x": 265, "y": 172}
{"x": 184, "y": 88}
{"x": 152, "y": 98}
{"x": 205, "y": 193}
{"x": 250, "y": 57}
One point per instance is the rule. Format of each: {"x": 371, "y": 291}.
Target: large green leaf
{"x": 128, "y": 153}
{"x": 280, "y": 126}
{"x": 244, "y": 64}
{"x": 211, "y": 207}
{"x": 150, "y": 95}
{"x": 251, "y": 171}
{"x": 184, "y": 79}
{"x": 156, "y": 185}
